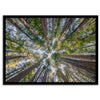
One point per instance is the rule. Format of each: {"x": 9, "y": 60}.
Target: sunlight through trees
{"x": 44, "y": 49}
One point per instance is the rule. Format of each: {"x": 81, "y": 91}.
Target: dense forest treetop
{"x": 49, "y": 38}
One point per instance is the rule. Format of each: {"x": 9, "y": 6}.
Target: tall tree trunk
{"x": 35, "y": 75}
{"x": 45, "y": 25}
{"x": 77, "y": 79}
{"x": 87, "y": 65}
{"x": 14, "y": 57}
{"x": 80, "y": 25}
{"x": 47, "y": 80}
{"x": 12, "y": 51}
{"x": 39, "y": 75}
{"x": 13, "y": 23}
{"x": 72, "y": 75}
{"x": 58, "y": 23}
{"x": 53, "y": 26}
{"x": 22, "y": 74}
{"x": 89, "y": 57}
{"x": 92, "y": 22}
{"x": 63, "y": 76}
{"x": 43, "y": 22}
{"x": 45, "y": 75}
{"x": 82, "y": 71}
{"x": 88, "y": 46}
{"x": 57, "y": 27}
{"x": 28, "y": 26}
{"x": 68, "y": 23}
{"x": 15, "y": 72}
{"x": 87, "y": 74}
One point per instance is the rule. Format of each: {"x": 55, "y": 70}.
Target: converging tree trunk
{"x": 53, "y": 26}
{"x": 82, "y": 71}
{"x": 39, "y": 75}
{"x": 14, "y": 57}
{"x": 28, "y": 26}
{"x": 22, "y": 74}
{"x": 80, "y": 25}
{"x": 63, "y": 76}
{"x": 43, "y": 22}
{"x": 87, "y": 65}
{"x": 35, "y": 75}
{"x": 50, "y": 49}
{"x": 13, "y": 23}
{"x": 45, "y": 75}
{"x": 68, "y": 23}
{"x": 89, "y": 57}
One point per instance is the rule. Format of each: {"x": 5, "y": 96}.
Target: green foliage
{"x": 55, "y": 55}
{"x": 23, "y": 42}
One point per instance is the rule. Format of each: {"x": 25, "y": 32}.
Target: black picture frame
{"x": 49, "y": 83}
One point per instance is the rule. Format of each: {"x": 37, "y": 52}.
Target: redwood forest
{"x": 50, "y": 49}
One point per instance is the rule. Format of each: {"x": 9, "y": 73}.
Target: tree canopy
{"x": 50, "y": 49}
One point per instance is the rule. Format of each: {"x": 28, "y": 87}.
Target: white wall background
{"x": 47, "y": 7}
